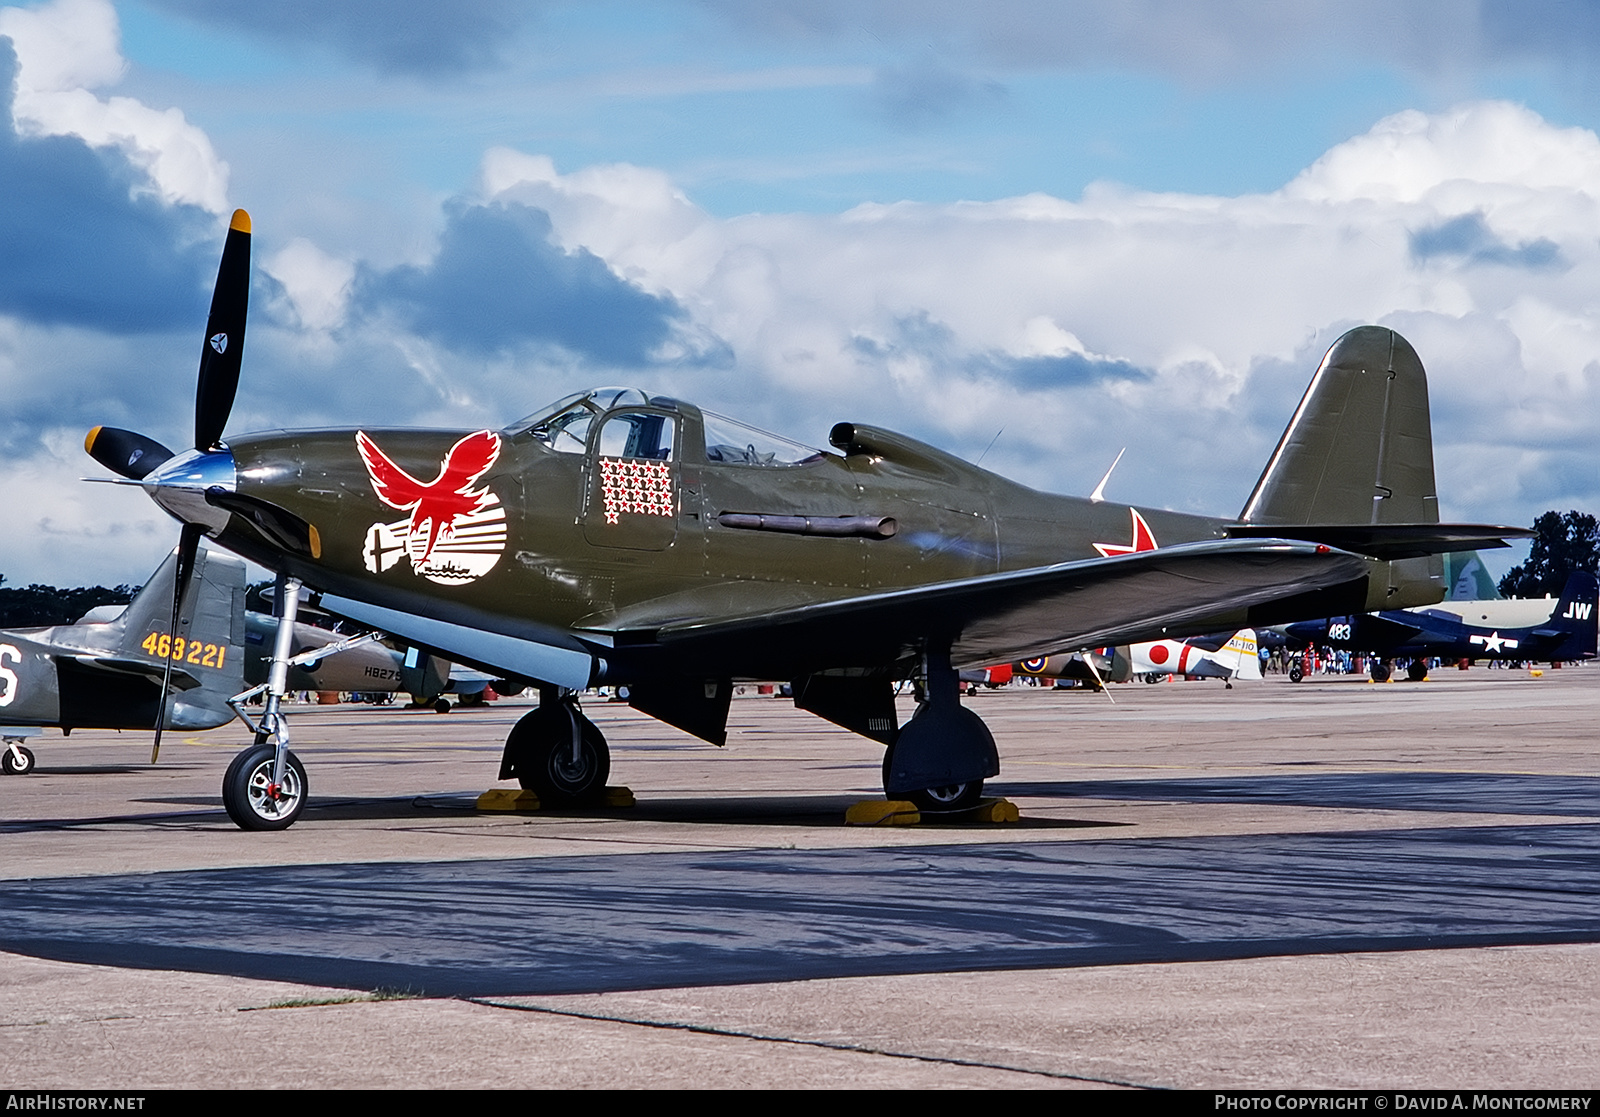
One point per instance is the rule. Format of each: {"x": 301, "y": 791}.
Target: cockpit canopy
{"x": 568, "y": 425}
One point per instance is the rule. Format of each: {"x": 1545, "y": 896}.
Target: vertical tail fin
{"x": 210, "y": 624}
{"x": 1359, "y": 450}
{"x": 1575, "y": 614}
{"x": 1240, "y": 656}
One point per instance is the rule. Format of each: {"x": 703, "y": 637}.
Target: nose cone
{"x": 179, "y": 485}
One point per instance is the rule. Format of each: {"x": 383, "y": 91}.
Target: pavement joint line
{"x": 853, "y": 1048}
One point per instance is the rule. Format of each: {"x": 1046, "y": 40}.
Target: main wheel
{"x": 952, "y": 797}
{"x": 12, "y": 765}
{"x": 254, "y": 802}
{"x": 955, "y": 797}
{"x": 1380, "y": 671}
{"x": 1417, "y": 671}
{"x": 541, "y": 750}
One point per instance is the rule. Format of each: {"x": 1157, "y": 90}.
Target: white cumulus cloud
{"x": 1185, "y": 323}
{"x": 67, "y": 48}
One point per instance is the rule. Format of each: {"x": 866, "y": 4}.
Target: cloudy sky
{"x": 1029, "y": 231}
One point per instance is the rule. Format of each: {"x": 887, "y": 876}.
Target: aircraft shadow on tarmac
{"x": 810, "y": 812}
{"x": 1469, "y": 792}
{"x": 638, "y": 921}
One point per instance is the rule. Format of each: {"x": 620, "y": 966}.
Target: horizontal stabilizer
{"x": 151, "y": 670}
{"x": 1388, "y": 541}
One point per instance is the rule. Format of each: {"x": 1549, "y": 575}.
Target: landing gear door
{"x": 633, "y": 496}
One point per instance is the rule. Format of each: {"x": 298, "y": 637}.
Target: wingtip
{"x": 240, "y": 222}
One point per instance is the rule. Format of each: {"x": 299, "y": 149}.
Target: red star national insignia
{"x": 1143, "y": 539}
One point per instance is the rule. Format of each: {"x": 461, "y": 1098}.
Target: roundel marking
{"x": 219, "y": 342}
{"x": 1158, "y": 654}
{"x": 1034, "y": 666}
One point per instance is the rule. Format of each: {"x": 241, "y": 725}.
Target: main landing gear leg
{"x": 940, "y": 757}
{"x": 556, "y": 752}
{"x": 265, "y": 786}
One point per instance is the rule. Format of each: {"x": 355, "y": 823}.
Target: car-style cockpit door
{"x": 633, "y": 495}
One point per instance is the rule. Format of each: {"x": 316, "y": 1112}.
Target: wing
{"x": 394, "y": 486}
{"x": 996, "y": 618}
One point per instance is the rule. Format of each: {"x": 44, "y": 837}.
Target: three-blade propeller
{"x": 136, "y": 457}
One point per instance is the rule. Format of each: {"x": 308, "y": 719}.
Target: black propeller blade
{"x": 134, "y": 456}
{"x": 188, "y": 548}
{"x": 224, "y": 345}
{"x": 125, "y": 452}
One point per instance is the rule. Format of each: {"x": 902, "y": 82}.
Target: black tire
{"x": 1296, "y": 672}
{"x": 1418, "y": 671}
{"x": 247, "y": 790}
{"x": 936, "y": 800}
{"x": 541, "y": 751}
{"x": 442, "y": 706}
{"x": 14, "y": 767}
{"x": 1381, "y": 672}
{"x": 956, "y": 797}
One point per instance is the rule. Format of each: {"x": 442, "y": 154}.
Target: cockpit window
{"x": 564, "y": 425}
{"x": 732, "y": 443}
{"x": 637, "y": 436}
{"x": 567, "y": 433}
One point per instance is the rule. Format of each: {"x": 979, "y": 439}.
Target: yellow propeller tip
{"x": 241, "y": 221}
{"x": 88, "y": 440}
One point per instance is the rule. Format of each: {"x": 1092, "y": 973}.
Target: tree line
{"x": 37, "y": 605}
{"x": 1562, "y": 543}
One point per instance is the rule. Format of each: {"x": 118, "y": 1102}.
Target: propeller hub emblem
{"x": 219, "y": 342}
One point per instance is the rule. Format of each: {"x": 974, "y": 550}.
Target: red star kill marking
{"x": 1143, "y": 539}
{"x": 635, "y": 488}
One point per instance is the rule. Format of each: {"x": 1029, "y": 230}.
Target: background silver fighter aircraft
{"x": 108, "y": 674}
{"x": 625, "y": 538}
{"x": 105, "y": 671}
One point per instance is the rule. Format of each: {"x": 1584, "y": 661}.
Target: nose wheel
{"x": 254, "y": 800}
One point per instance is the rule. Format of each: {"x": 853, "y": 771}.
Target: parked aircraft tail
{"x": 1574, "y": 618}
{"x": 1239, "y": 655}
{"x": 1467, "y": 579}
{"x": 1359, "y": 451}
{"x": 208, "y": 654}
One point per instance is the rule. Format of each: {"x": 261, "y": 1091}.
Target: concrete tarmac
{"x": 1331, "y": 883}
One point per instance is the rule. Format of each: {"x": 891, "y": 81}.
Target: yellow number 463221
{"x": 179, "y": 650}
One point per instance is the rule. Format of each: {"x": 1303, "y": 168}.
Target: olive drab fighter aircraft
{"x": 622, "y": 538}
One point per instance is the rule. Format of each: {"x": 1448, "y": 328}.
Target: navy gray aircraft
{"x": 620, "y": 537}
{"x": 105, "y": 671}
{"x": 1560, "y": 632}
{"x": 108, "y": 674}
